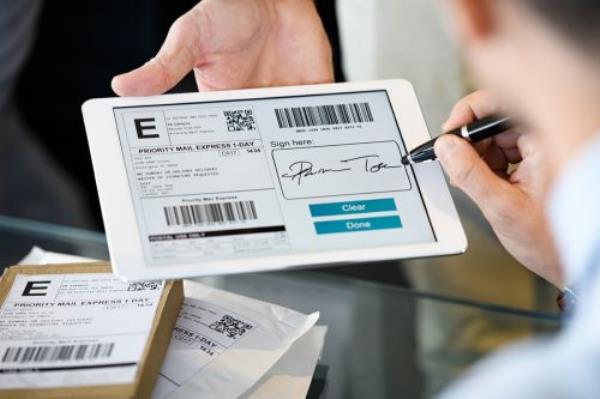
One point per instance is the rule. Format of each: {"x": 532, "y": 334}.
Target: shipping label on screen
{"x": 216, "y": 180}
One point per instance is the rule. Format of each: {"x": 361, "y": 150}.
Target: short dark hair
{"x": 578, "y": 19}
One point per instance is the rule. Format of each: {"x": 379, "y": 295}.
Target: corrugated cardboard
{"x": 152, "y": 357}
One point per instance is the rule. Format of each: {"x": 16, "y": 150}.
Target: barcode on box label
{"x": 225, "y": 212}
{"x": 230, "y": 327}
{"x": 60, "y": 353}
{"x": 323, "y": 115}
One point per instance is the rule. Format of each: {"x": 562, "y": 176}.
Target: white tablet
{"x": 251, "y": 180}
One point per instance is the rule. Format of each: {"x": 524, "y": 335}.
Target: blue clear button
{"x": 358, "y": 225}
{"x": 353, "y": 207}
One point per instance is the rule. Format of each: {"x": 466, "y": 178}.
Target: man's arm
{"x": 237, "y": 44}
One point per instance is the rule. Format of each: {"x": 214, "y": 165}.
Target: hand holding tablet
{"x": 263, "y": 179}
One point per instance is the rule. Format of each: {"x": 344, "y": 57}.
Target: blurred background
{"x": 64, "y": 52}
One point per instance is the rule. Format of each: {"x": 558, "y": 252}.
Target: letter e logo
{"x": 145, "y": 124}
{"x": 36, "y": 288}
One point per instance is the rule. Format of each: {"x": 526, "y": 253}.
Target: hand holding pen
{"x": 506, "y": 178}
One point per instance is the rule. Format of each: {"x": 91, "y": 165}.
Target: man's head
{"x": 542, "y": 59}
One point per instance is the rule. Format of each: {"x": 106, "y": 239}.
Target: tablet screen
{"x": 284, "y": 175}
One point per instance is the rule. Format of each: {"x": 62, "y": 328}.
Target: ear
{"x": 474, "y": 19}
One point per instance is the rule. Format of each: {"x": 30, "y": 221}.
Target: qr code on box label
{"x": 230, "y": 326}
{"x": 144, "y": 286}
{"x": 240, "y": 120}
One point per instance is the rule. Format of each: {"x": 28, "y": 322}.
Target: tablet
{"x": 265, "y": 179}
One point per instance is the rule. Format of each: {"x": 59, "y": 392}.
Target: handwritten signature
{"x": 300, "y": 170}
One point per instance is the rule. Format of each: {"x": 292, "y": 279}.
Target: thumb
{"x": 468, "y": 172}
{"x": 176, "y": 58}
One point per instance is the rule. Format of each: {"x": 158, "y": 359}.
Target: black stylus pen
{"x": 473, "y": 132}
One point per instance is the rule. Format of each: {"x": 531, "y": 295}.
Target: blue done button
{"x": 357, "y": 225}
{"x": 353, "y": 207}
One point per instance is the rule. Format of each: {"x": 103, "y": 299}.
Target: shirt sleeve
{"x": 535, "y": 370}
{"x": 563, "y": 366}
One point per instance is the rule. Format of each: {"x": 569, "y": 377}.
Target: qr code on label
{"x": 230, "y": 326}
{"x": 144, "y": 286}
{"x": 240, "y": 120}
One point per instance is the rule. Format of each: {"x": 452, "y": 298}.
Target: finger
{"x": 527, "y": 145}
{"x": 483, "y": 146}
{"x": 176, "y": 58}
{"x": 471, "y": 174}
{"x": 507, "y": 142}
{"x": 513, "y": 155}
{"x": 495, "y": 158}
{"x": 475, "y": 106}
{"x": 507, "y": 139}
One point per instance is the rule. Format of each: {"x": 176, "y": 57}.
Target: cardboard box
{"x": 154, "y": 350}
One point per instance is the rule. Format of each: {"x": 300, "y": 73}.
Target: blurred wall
{"x": 385, "y": 39}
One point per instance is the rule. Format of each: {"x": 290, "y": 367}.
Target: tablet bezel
{"x": 120, "y": 218}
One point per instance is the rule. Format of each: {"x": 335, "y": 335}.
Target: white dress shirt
{"x": 566, "y": 365}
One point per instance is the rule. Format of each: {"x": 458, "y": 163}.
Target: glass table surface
{"x": 383, "y": 340}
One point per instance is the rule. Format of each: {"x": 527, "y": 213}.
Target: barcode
{"x": 230, "y": 326}
{"x": 338, "y": 114}
{"x": 240, "y": 120}
{"x": 225, "y": 212}
{"x": 25, "y": 354}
